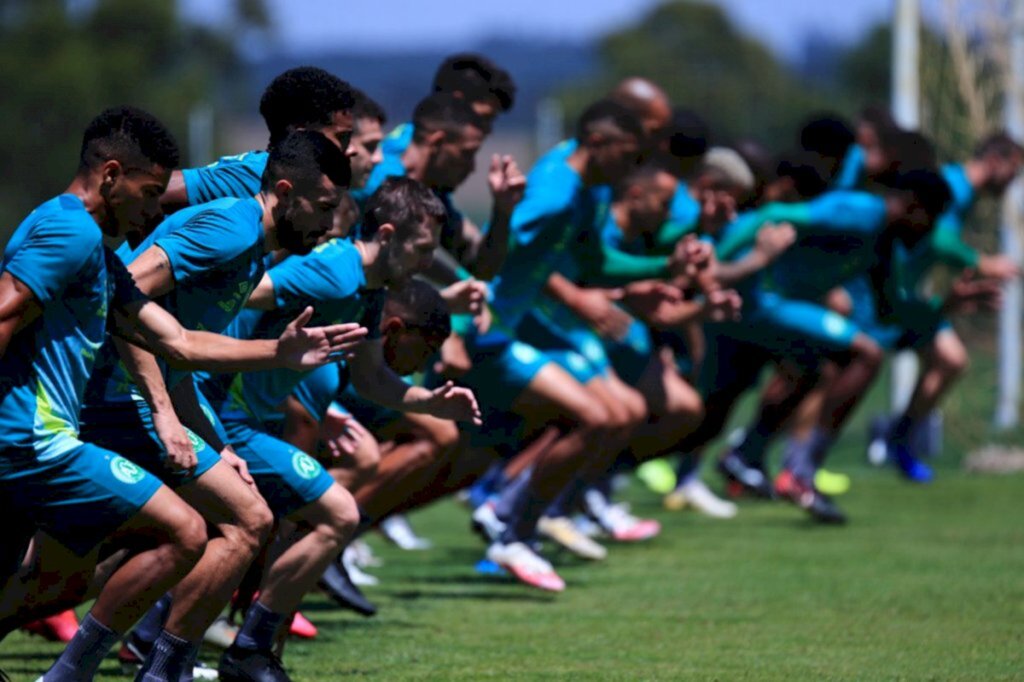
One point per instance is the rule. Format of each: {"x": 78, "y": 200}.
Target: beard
{"x": 290, "y": 237}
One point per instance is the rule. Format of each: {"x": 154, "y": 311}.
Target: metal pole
{"x": 906, "y": 110}
{"x": 1008, "y": 407}
{"x": 200, "y": 134}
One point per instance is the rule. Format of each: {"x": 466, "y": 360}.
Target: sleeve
{"x": 52, "y": 255}
{"x": 948, "y": 244}
{"x": 123, "y": 284}
{"x": 670, "y": 233}
{"x": 603, "y": 265}
{"x": 741, "y": 235}
{"x": 231, "y": 176}
{"x": 204, "y": 242}
{"x": 540, "y": 213}
{"x": 323, "y": 276}
{"x": 853, "y": 213}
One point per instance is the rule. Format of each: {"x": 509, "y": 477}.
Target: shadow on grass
{"x": 490, "y": 595}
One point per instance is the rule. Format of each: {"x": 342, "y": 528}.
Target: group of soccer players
{"x": 214, "y": 380}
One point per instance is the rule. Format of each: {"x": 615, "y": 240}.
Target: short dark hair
{"x": 908, "y": 150}
{"x": 129, "y": 135}
{"x": 687, "y": 134}
{"x": 998, "y": 144}
{"x": 827, "y": 134}
{"x": 605, "y": 111}
{"x": 638, "y": 175}
{"x": 366, "y": 107}
{"x": 927, "y": 185}
{"x": 302, "y": 157}
{"x": 421, "y": 307}
{"x": 303, "y": 97}
{"x": 476, "y": 77}
{"x": 446, "y": 112}
{"x": 809, "y": 172}
{"x": 402, "y": 202}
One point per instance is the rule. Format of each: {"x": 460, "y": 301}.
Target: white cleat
{"x": 563, "y": 531}
{"x": 486, "y": 522}
{"x": 697, "y": 496}
{"x": 364, "y": 556}
{"x": 355, "y": 573}
{"x": 397, "y": 529}
{"x": 616, "y": 520}
{"x": 526, "y": 566}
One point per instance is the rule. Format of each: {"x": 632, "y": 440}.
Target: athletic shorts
{"x": 287, "y": 477}
{"x": 318, "y": 389}
{"x": 794, "y": 329}
{"x": 631, "y": 355}
{"x": 79, "y": 498}
{"x": 502, "y": 369}
{"x": 910, "y": 332}
{"x": 577, "y": 350}
{"x": 731, "y": 365}
{"x": 128, "y": 428}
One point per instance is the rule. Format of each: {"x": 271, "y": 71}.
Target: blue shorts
{"x": 577, "y": 350}
{"x": 792, "y": 328}
{"x": 731, "y": 365}
{"x": 318, "y": 389}
{"x": 287, "y": 477}
{"x": 128, "y": 428}
{"x": 79, "y": 498}
{"x": 502, "y": 369}
{"x": 910, "y": 332}
{"x": 631, "y": 356}
{"x": 371, "y": 415}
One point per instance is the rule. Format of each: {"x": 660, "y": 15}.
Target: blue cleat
{"x": 488, "y": 567}
{"x": 911, "y": 467}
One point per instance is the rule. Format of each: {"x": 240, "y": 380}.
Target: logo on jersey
{"x": 305, "y": 466}
{"x": 125, "y": 471}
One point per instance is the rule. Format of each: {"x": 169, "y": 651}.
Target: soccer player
{"x": 201, "y": 264}
{"x": 343, "y": 280}
{"x": 487, "y": 88}
{"x": 58, "y": 287}
{"x": 303, "y": 98}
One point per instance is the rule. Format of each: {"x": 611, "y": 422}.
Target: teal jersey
{"x": 398, "y": 140}
{"x": 684, "y": 210}
{"x": 851, "y": 171}
{"x": 331, "y": 279}
{"x": 216, "y": 253}
{"x": 230, "y": 176}
{"x": 58, "y": 253}
{"x": 837, "y": 239}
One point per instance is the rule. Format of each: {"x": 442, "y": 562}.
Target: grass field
{"x": 924, "y": 584}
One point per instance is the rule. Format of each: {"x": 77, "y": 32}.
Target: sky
{"x": 394, "y": 24}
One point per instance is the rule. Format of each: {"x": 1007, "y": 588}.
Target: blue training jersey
{"x": 58, "y": 253}
{"x": 332, "y": 280}
{"x": 230, "y": 176}
{"x": 216, "y": 255}
{"x": 851, "y": 171}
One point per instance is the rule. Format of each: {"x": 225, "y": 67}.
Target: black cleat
{"x": 339, "y": 587}
{"x": 751, "y": 479}
{"x": 247, "y": 665}
{"x": 820, "y": 506}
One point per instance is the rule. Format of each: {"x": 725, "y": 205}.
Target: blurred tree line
{"x": 66, "y": 60}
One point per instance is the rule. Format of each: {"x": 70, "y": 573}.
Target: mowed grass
{"x": 924, "y": 584}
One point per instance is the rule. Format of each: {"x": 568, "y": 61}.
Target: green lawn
{"x": 925, "y": 583}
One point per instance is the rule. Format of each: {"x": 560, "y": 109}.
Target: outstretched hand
{"x": 469, "y": 297}
{"x": 453, "y": 402}
{"x": 507, "y": 183}
{"x": 304, "y": 348}
{"x": 970, "y": 294}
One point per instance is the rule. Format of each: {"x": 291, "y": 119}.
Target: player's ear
{"x": 110, "y": 171}
{"x": 392, "y": 325}
{"x": 283, "y": 188}
{"x": 385, "y": 233}
{"x": 435, "y": 139}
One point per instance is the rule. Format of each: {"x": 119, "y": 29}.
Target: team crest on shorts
{"x": 305, "y": 466}
{"x": 125, "y": 471}
{"x": 197, "y": 442}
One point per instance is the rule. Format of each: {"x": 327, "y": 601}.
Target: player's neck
{"x": 579, "y": 161}
{"x": 414, "y": 160}
{"x": 977, "y": 173}
{"x": 620, "y": 214}
{"x": 270, "y": 240}
{"x": 370, "y": 254}
{"x": 87, "y": 188}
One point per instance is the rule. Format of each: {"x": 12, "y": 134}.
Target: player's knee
{"x": 190, "y": 538}
{"x": 256, "y": 524}
{"x": 869, "y": 353}
{"x": 953, "y": 360}
{"x": 592, "y": 415}
{"x": 444, "y": 434}
{"x": 342, "y": 516}
{"x": 367, "y": 458}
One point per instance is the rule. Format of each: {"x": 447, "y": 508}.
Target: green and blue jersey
{"x": 230, "y": 176}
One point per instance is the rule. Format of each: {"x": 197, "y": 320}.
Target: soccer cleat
{"x": 878, "y": 447}
{"x": 913, "y": 469}
{"x": 819, "y": 506}
{"x": 752, "y": 479}
{"x": 244, "y": 665}
{"x": 398, "y": 530}
{"x": 363, "y": 554}
{"x": 337, "y": 585}
{"x": 301, "y": 627}
{"x": 563, "y": 531}
{"x": 357, "y": 575}
{"x": 831, "y": 483}
{"x": 658, "y": 475}
{"x": 486, "y": 524}
{"x": 696, "y": 495}
{"x": 525, "y": 566}
{"x": 221, "y": 633}
{"x": 616, "y": 520}
{"x": 59, "y": 628}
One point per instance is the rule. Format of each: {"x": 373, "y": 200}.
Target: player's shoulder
{"x": 65, "y": 218}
